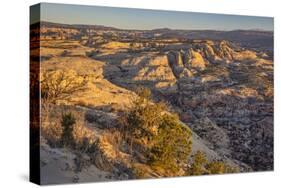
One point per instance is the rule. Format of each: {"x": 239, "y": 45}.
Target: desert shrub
{"x": 83, "y": 136}
{"x": 52, "y": 133}
{"x": 76, "y": 134}
{"x": 67, "y": 127}
{"x": 201, "y": 166}
{"x": 143, "y": 93}
{"x": 61, "y": 85}
{"x": 219, "y": 167}
{"x": 140, "y": 170}
{"x": 198, "y": 165}
{"x": 140, "y": 124}
{"x": 58, "y": 86}
{"x": 156, "y": 134}
{"x": 67, "y": 123}
{"x": 104, "y": 152}
{"x": 144, "y": 120}
{"x": 114, "y": 137}
{"x": 216, "y": 167}
{"x": 172, "y": 144}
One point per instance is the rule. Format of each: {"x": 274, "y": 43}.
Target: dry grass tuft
{"x": 52, "y": 132}
{"x": 52, "y": 129}
{"x": 82, "y": 134}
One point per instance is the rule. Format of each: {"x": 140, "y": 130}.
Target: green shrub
{"x": 219, "y": 167}
{"x": 140, "y": 124}
{"x": 67, "y": 123}
{"x": 198, "y": 165}
{"x": 172, "y": 145}
{"x": 201, "y": 166}
{"x": 156, "y": 134}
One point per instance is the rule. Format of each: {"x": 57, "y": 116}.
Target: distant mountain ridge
{"x": 47, "y": 23}
{"x": 76, "y": 26}
{"x": 258, "y": 39}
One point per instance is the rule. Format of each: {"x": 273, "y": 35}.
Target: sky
{"x": 143, "y": 19}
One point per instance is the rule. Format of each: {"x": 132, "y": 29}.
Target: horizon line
{"x": 117, "y": 28}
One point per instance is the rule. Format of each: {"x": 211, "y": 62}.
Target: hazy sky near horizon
{"x": 127, "y": 18}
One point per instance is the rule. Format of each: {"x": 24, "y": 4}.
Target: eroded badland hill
{"x": 219, "y": 85}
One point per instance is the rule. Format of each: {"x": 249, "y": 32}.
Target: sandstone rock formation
{"x": 194, "y": 60}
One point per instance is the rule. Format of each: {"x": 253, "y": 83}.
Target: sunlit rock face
{"x": 194, "y": 60}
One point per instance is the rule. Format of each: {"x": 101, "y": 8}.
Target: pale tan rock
{"x": 195, "y": 60}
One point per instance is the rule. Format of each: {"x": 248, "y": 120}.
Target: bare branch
{"x": 61, "y": 85}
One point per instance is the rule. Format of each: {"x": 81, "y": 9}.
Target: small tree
{"x": 172, "y": 145}
{"x": 159, "y": 135}
{"x": 67, "y": 122}
{"x": 142, "y": 121}
{"x": 60, "y": 85}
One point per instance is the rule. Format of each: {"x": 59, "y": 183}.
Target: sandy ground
{"x": 58, "y": 167}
